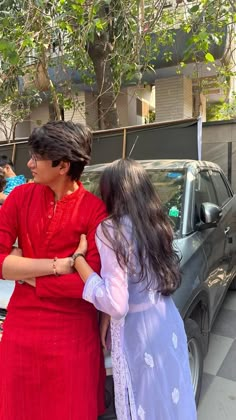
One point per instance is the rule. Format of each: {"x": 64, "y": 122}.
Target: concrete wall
{"x": 217, "y": 140}
{"x": 5, "y": 125}
{"x": 87, "y": 113}
{"x": 79, "y": 114}
{"x": 91, "y": 111}
{"x": 127, "y": 104}
{"x": 23, "y": 129}
{"x": 122, "y": 108}
{"x": 39, "y": 115}
{"x": 174, "y": 98}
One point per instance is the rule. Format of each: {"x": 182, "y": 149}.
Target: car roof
{"x": 162, "y": 164}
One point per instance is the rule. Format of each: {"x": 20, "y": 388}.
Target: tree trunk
{"x": 99, "y": 53}
{"x": 43, "y": 82}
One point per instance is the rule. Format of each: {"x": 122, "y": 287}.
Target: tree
{"x": 109, "y": 43}
{"x": 222, "y": 110}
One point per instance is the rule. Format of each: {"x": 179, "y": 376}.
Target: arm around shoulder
{"x": 108, "y": 292}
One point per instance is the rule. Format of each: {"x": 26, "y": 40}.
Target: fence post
{"x": 124, "y": 144}
{"x": 229, "y": 169}
{"x": 13, "y": 156}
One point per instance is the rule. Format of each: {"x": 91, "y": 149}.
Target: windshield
{"x": 169, "y": 185}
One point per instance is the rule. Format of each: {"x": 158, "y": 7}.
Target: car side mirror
{"x": 210, "y": 215}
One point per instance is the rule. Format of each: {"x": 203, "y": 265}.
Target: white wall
{"x": 174, "y": 98}
{"x": 127, "y": 106}
{"x": 39, "y": 115}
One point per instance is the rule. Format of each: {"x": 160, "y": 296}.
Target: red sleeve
{"x": 8, "y": 225}
{"x": 71, "y": 285}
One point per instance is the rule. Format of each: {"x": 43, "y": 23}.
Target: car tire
{"x": 195, "y": 355}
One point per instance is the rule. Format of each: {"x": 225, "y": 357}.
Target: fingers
{"x": 83, "y": 245}
{"x": 104, "y": 327}
{"x": 103, "y": 335}
{"x": 103, "y": 341}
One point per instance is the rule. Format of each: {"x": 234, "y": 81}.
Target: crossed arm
{"x": 18, "y": 268}
{"x": 68, "y": 284}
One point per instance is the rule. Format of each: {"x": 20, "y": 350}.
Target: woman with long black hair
{"x": 140, "y": 270}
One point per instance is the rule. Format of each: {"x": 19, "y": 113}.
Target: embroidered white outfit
{"x": 149, "y": 347}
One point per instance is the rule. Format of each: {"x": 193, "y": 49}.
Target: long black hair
{"x": 127, "y": 190}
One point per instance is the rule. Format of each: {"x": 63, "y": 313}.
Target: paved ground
{"x": 218, "y": 396}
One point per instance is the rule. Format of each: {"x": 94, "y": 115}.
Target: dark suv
{"x": 200, "y": 202}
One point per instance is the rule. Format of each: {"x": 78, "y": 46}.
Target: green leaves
{"x": 209, "y": 57}
{"x": 194, "y": 9}
{"x": 8, "y": 52}
{"x": 5, "y": 45}
{"x": 127, "y": 36}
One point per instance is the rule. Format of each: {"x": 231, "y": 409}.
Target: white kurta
{"x": 149, "y": 346}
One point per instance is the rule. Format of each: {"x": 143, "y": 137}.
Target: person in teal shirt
{"x": 12, "y": 180}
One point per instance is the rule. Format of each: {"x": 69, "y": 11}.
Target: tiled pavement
{"x": 218, "y": 396}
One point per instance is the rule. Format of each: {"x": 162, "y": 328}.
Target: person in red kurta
{"x": 51, "y": 361}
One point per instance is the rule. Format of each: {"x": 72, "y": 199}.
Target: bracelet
{"x": 54, "y": 266}
{"x": 75, "y": 256}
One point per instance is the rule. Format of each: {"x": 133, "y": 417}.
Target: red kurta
{"x": 51, "y": 362}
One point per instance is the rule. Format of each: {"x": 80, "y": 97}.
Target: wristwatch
{"x": 74, "y": 256}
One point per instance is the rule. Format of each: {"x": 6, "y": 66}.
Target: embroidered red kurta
{"x": 51, "y": 362}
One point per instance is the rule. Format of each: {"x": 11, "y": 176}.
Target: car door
{"x": 212, "y": 240}
{"x": 227, "y": 203}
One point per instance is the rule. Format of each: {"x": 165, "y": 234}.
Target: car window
{"x": 90, "y": 181}
{"x": 222, "y": 191}
{"x": 205, "y": 187}
{"x": 168, "y": 183}
{"x": 204, "y": 192}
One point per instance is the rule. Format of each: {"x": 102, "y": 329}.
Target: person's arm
{"x": 8, "y": 226}
{"x": 71, "y": 285}
{"x": 21, "y": 268}
{"x": 108, "y": 293}
{"x": 16, "y": 267}
{"x": 2, "y": 197}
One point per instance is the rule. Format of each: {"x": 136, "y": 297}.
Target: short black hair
{"x": 63, "y": 141}
{"x": 2, "y": 180}
{"x": 5, "y": 160}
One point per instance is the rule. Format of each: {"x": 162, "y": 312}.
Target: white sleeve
{"x": 108, "y": 292}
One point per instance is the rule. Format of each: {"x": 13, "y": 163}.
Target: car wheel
{"x": 195, "y": 355}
